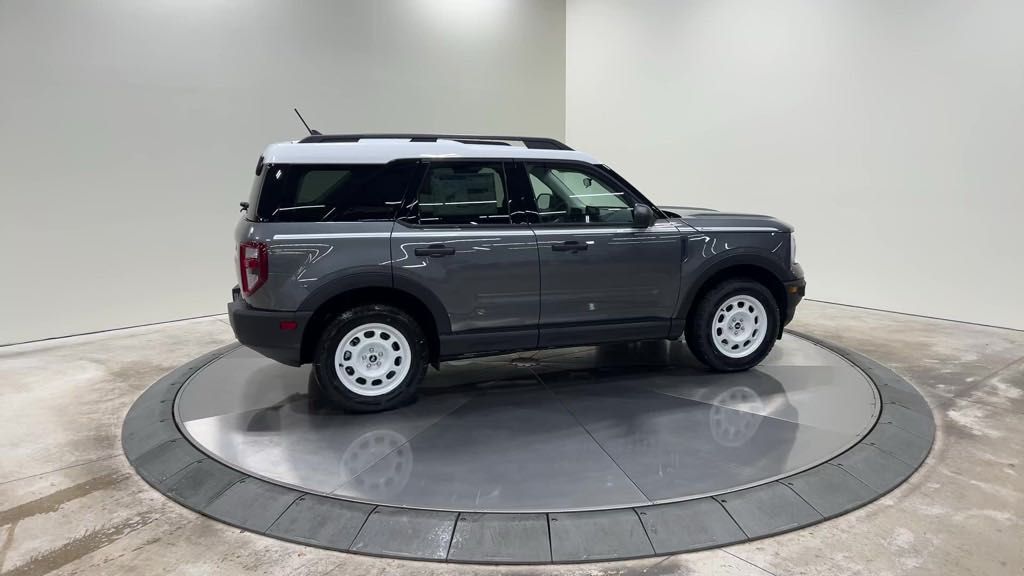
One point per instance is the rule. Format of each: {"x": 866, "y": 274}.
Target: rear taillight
{"x": 252, "y": 259}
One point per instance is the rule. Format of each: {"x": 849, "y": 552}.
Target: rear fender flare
{"x": 348, "y": 282}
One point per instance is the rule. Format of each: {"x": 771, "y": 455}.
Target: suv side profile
{"x": 373, "y": 257}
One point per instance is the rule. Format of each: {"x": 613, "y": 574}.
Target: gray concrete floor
{"x": 71, "y": 504}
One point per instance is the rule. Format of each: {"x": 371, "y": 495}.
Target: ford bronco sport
{"x": 374, "y": 256}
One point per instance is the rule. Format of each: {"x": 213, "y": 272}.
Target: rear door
{"x": 601, "y": 278}
{"x": 462, "y": 238}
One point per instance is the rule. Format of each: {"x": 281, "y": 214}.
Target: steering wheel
{"x": 622, "y": 216}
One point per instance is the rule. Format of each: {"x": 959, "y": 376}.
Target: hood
{"x": 708, "y": 220}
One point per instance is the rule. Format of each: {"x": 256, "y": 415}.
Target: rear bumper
{"x": 795, "y": 290}
{"x": 268, "y": 332}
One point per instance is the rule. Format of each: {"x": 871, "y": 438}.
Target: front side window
{"x": 571, "y": 195}
{"x": 332, "y": 193}
{"x": 463, "y": 193}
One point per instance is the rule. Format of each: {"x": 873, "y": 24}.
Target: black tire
{"x": 702, "y": 317}
{"x": 335, "y": 391}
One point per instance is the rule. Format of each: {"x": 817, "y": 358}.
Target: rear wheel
{"x": 733, "y": 326}
{"x": 371, "y": 358}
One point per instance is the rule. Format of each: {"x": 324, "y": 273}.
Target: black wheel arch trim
{"x": 734, "y": 258}
{"x": 417, "y": 290}
{"x": 337, "y": 284}
{"x": 349, "y": 282}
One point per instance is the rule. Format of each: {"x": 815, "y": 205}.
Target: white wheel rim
{"x": 739, "y": 326}
{"x": 372, "y": 359}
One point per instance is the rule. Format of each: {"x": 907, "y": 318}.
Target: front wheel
{"x": 371, "y": 358}
{"x": 733, "y": 326}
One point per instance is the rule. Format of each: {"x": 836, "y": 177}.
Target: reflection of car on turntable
{"x": 374, "y": 256}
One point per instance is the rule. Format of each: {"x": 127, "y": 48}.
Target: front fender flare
{"x": 753, "y": 257}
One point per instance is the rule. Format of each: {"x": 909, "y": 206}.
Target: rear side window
{"x": 464, "y": 193}
{"x": 331, "y": 193}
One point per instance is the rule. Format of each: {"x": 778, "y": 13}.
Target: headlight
{"x": 792, "y": 248}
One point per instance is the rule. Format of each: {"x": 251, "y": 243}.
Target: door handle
{"x": 568, "y": 246}
{"x": 435, "y": 251}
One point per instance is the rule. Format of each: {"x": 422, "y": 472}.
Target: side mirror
{"x": 543, "y": 201}
{"x": 643, "y": 216}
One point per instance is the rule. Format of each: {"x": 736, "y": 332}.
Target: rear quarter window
{"x": 330, "y": 193}
{"x": 254, "y": 196}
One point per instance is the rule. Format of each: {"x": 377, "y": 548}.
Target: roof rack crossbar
{"x": 536, "y": 142}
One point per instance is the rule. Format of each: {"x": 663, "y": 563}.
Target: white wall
{"x": 890, "y": 133}
{"x": 129, "y": 130}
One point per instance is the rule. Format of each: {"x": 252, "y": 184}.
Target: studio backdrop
{"x": 889, "y": 133}
{"x": 130, "y": 130}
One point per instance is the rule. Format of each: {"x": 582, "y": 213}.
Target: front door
{"x": 457, "y": 240}
{"x": 602, "y": 279}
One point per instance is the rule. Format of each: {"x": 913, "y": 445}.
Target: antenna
{"x": 303, "y": 120}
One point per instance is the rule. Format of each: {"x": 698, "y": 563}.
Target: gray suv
{"x": 372, "y": 256}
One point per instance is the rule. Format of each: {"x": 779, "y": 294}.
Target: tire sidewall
{"x": 327, "y": 377}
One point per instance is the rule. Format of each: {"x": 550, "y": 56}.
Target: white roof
{"x": 384, "y": 150}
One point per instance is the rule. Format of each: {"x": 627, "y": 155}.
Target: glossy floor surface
{"x": 573, "y": 429}
{"x": 70, "y": 502}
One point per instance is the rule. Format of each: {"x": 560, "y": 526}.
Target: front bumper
{"x": 273, "y": 333}
{"x": 795, "y": 290}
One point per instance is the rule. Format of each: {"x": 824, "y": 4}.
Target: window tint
{"x": 332, "y": 193}
{"x": 463, "y": 193}
{"x": 315, "y": 186}
{"x": 566, "y": 194}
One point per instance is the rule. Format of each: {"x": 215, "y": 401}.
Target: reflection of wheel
{"x": 371, "y": 358}
{"x": 735, "y": 416}
{"x": 740, "y": 398}
{"x": 733, "y": 326}
{"x": 379, "y": 463}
